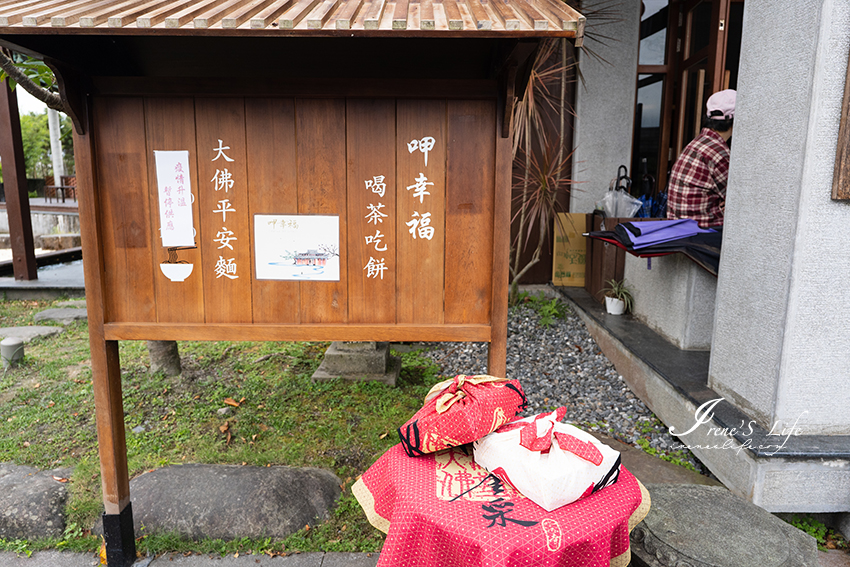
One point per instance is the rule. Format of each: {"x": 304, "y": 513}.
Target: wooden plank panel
{"x": 31, "y": 17}
{"x": 272, "y": 189}
{"x": 270, "y": 14}
{"x": 348, "y": 13}
{"x": 123, "y": 187}
{"x": 470, "y": 183}
{"x": 188, "y": 13}
{"x": 100, "y": 16}
{"x": 480, "y": 15}
{"x": 238, "y": 17}
{"x": 223, "y": 184}
{"x": 372, "y": 239}
{"x": 217, "y": 12}
{"x": 71, "y": 15}
{"x": 320, "y": 16}
{"x": 158, "y": 15}
{"x": 426, "y": 15}
{"x": 170, "y": 125}
{"x": 531, "y": 16}
{"x": 420, "y": 259}
{"x": 400, "y": 15}
{"x": 453, "y": 14}
{"x": 320, "y": 130}
{"x": 297, "y": 13}
{"x": 510, "y": 20}
{"x": 139, "y": 14}
{"x": 374, "y": 14}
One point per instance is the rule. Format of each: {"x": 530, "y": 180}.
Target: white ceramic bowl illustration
{"x": 176, "y": 272}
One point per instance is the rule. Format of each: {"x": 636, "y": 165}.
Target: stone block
{"x": 359, "y": 361}
{"x": 32, "y": 503}
{"x": 64, "y": 315}
{"x": 29, "y": 333}
{"x": 707, "y": 526}
{"x": 229, "y": 502}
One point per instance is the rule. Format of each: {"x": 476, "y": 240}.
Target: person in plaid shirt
{"x": 697, "y": 187}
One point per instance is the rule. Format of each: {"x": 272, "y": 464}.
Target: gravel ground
{"x": 560, "y": 365}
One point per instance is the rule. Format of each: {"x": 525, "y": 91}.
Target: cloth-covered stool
{"x": 443, "y": 509}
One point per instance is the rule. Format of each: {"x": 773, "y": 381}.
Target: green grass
{"x": 548, "y": 309}
{"x": 47, "y": 420}
{"x": 825, "y": 536}
{"x": 677, "y": 457}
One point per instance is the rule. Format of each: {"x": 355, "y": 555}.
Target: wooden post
{"x": 15, "y": 182}
{"x": 497, "y": 353}
{"x": 106, "y": 370}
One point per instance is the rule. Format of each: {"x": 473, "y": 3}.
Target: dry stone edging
{"x": 708, "y": 526}
{"x": 231, "y": 501}
{"x": 28, "y": 333}
{"x": 32, "y": 502}
{"x": 64, "y": 315}
{"x": 75, "y": 303}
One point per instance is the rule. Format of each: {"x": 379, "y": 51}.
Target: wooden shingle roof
{"x": 393, "y": 18}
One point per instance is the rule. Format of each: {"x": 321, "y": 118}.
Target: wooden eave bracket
{"x": 508, "y": 88}
{"x": 73, "y": 89}
{"x": 515, "y": 66}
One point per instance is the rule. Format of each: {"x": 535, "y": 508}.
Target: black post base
{"x": 120, "y": 539}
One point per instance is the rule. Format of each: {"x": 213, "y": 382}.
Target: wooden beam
{"x": 497, "y": 353}
{"x": 294, "y": 332}
{"x": 15, "y": 178}
{"x": 106, "y": 368}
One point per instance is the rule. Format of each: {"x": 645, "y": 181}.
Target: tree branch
{"x": 52, "y": 100}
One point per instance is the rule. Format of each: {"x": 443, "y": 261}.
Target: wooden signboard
{"x": 409, "y": 250}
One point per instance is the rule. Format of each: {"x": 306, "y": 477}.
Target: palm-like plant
{"x": 541, "y": 161}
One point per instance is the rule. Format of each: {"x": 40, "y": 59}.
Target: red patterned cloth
{"x": 443, "y": 509}
{"x": 698, "y": 180}
{"x": 459, "y": 411}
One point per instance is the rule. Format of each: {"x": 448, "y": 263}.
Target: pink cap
{"x": 721, "y": 105}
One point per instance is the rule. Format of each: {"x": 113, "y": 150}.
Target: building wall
{"x": 46, "y": 223}
{"x": 781, "y": 347}
{"x": 605, "y": 105}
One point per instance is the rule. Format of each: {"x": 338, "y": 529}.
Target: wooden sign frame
{"x": 458, "y": 292}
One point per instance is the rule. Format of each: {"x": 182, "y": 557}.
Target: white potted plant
{"x": 618, "y": 297}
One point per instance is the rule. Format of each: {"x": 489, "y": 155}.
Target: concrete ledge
{"x": 675, "y": 298}
{"x": 779, "y": 471}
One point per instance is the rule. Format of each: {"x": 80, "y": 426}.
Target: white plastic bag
{"x": 550, "y": 463}
{"x": 618, "y": 204}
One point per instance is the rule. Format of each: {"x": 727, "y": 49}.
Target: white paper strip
{"x": 175, "y": 198}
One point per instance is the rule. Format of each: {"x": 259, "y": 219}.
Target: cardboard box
{"x": 570, "y": 260}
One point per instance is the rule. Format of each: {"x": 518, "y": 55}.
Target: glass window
{"x": 653, "y": 33}
{"x": 700, "y": 28}
{"x": 648, "y": 140}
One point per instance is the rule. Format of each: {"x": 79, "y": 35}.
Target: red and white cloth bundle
{"x": 549, "y": 462}
{"x": 459, "y": 411}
